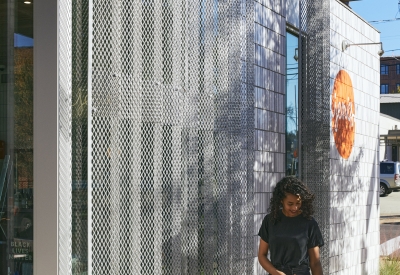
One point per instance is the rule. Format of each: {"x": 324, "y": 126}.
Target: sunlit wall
{"x": 354, "y": 214}
{"x": 347, "y": 202}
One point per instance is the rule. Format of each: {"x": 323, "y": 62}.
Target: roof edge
{"x": 350, "y": 9}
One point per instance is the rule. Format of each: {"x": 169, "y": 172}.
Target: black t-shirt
{"x": 289, "y": 239}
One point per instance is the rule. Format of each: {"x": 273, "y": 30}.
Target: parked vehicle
{"x": 389, "y": 177}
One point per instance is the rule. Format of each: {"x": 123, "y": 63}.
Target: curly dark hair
{"x": 291, "y": 185}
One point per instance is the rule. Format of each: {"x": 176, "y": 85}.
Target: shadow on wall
{"x": 354, "y": 182}
{"x": 195, "y": 194}
{"x": 354, "y": 210}
{"x": 292, "y": 12}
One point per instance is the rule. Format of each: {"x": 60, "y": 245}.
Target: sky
{"x": 22, "y": 41}
{"x": 377, "y": 10}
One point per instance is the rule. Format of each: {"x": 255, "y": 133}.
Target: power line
{"x": 395, "y": 58}
{"x": 388, "y": 20}
{"x": 383, "y": 21}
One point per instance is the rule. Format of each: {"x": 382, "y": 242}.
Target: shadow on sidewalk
{"x": 390, "y": 236}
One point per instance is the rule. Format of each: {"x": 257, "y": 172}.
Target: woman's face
{"x": 291, "y": 205}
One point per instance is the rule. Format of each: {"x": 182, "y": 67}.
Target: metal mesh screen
{"x": 171, "y": 132}
{"x": 64, "y": 136}
{"x": 315, "y": 111}
{"x": 72, "y": 195}
{"x": 79, "y": 136}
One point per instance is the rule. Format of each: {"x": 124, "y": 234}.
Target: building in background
{"x": 389, "y": 138}
{"x": 389, "y": 108}
{"x": 347, "y": 2}
{"x": 155, "y": 132}
{"x": 390, "y": 75}
{"x": 390, "y": 105}
{"x": 389, "y": 127}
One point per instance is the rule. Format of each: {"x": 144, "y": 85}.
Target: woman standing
{"x": 289, "y": 232}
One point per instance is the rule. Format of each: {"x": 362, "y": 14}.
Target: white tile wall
{"x": 292, "y": 12}
{"x": 354, "y": 217}
{"x": 270, "y": 67}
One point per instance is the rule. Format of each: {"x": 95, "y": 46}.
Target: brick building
{"x": 390, "y": 75}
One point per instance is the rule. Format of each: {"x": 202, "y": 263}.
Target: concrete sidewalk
{"x": 390, "y": 225}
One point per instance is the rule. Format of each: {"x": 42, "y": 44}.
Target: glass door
{"x": 16, "y": 137}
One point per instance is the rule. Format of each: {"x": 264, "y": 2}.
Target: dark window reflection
{"x": 292, "y": 108}
{"x": 16, "y": 138}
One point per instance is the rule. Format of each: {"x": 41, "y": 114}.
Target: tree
{"x": 23, "y": 113}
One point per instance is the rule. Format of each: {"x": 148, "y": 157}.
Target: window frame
{"x": 386, "y": 90}
{"x": 384, "y": 69}
{"x": 294, "y": 165}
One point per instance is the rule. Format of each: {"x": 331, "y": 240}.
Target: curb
{"x": 390, "y": 246}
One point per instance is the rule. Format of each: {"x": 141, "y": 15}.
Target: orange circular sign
{"x": 343, "y": 113}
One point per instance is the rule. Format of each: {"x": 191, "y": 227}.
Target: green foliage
{"x": 389, "y": 266}
{"x": 23, "y": 96}
{"x": 23, "y": 113}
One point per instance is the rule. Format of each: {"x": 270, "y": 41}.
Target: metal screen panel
{"x": 315, "y": 111}
{"x": 79, "y": 137}
{"x": 64, "y": 136}
{"x": 72, "y": 194}
{"x": 171, "y": 132}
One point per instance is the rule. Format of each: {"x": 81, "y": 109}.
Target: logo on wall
{"x": 343, "y": 113}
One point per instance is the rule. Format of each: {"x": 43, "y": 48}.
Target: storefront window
{"x": 16, "y": 138}
{"x": 292, "y": 104}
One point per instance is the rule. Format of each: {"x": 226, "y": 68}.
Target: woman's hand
{"x": 315, "y": 263}
{"x": 263, "y": 260}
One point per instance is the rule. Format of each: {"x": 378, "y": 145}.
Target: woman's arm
{"x": 264, "y": 262}
{"x": 315, "y": 263}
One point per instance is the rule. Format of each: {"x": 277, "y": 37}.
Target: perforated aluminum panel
{"x": 64, "y": 135}
{"x": 171, "y": 132}
{"x": 79, "y": 137}
{"x": 315, "y": 111}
